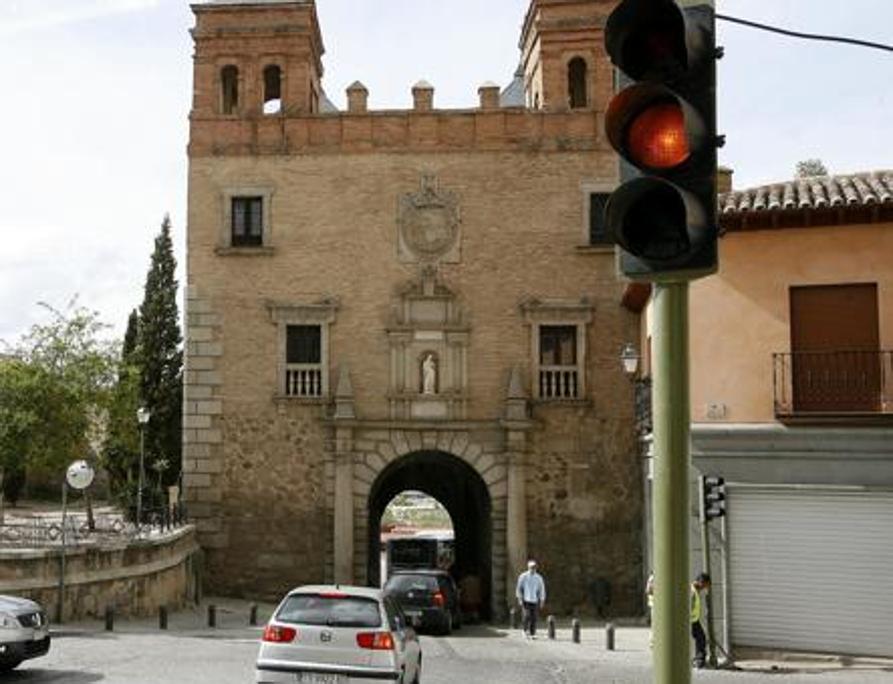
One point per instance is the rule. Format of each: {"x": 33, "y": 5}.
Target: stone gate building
{"x": 388, "y": 300}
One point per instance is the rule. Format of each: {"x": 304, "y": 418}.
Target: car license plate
{"x": 412, "y": 613}
{"x": 320, "y": 678}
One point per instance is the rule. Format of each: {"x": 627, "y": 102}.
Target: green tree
{"x": 161, "y": 357}
{"x": 811, "y": 167}
{"x": 54, "y": 391}
{"x": 20, "y": 416}
{"x": 121, "y": 448}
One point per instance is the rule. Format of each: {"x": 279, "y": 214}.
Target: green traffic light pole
{"x": 671, "y": 416}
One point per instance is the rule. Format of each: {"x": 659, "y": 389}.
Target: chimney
{"x": 423, "y": 96}
{"x": 489, "y": 94}
{"x": 357, "y": 98}
{"x": 724, "y": 179}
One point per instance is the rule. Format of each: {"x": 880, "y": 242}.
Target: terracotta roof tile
{"x": 815, "y": 192}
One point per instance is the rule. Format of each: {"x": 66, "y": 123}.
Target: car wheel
{"x": 8, "y": 665}
{"x": 448, "y": 624}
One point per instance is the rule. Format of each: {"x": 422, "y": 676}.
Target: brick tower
{"x": 562, "y": 57}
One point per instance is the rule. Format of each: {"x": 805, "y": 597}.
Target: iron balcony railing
{"x": 833, "y": 382}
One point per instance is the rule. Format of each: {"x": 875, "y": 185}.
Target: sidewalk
{"x": 635, "y": 639}
{"x": 232, "y": 621}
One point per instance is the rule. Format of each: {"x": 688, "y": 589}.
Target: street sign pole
{"x": 705, "y": 564}
{"x": 671, "y": 416}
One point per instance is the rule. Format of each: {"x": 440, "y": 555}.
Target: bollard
{"x": 212, "y": 615}
{"x": 252, "y": 615}
{"x": 162, "y": 617}
{"x": 575, "y": 630}
{"x": 109, "y": 619}
{"x": 550, "y": 621}
{"x": 513, "y": 618}
{"x": 609, "y": 636}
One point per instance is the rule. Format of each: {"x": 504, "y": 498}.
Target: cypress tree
{"x": 121, "y": 450}
{"x": 161, "y": 360}
{"x": 131, "y": 340}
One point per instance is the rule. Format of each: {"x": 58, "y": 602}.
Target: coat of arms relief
{"x": 428, "y": 225}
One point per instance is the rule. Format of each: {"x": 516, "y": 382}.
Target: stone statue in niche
{"x": 429, "y": 375}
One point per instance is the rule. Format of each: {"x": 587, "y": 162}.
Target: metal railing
{"x": 43, "y": 532}
{"x": 832, "y": 382}
{"x": 559, "y": 382}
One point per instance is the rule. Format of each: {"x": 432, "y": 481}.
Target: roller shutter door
{"x": 811, "y": 569}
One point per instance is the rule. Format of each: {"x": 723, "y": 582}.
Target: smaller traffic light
{"x": 714, "y": 489}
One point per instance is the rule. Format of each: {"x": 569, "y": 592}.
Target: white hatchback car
{"x": 338, "y": 635}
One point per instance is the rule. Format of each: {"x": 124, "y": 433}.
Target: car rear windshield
{"x": 330, "y": 610}
{"x": 412, "y": 583}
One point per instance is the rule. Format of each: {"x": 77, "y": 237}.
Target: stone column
{"x": 517, "y": 423}
{"x": 516, "y": 517}
{"x": 343, "y": 510}
{"x": 344, "y": 456}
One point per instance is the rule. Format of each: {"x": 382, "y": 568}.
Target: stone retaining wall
{"x": 135, "y": 578}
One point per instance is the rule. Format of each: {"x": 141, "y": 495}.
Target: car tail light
{"x": 376, "y": 641}
{"x": 279, "y": 635}
{"x": 332, "y": 595}
{"x": 439, "y": 599}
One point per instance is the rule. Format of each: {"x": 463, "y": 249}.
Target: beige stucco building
{"x": 792, "y": 404}
{"x": 390, "y": 300}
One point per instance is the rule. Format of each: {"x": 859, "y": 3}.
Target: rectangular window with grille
{"x": 303, "y": 361}
{"x": 558, "y": 369}
{"x": 247, "y": 221}
{"x": 598, "y": 233}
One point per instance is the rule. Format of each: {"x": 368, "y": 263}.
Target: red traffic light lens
{"x": 656, "y": 138}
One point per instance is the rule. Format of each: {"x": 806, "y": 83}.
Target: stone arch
{"x": 577, "y": 83}
{"x": 392, "y": 458}
{"x": 272, "y": 89}
{"x": 229, "y": 89}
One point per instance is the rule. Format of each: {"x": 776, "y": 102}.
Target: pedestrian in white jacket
{"x": 531, "y": 594}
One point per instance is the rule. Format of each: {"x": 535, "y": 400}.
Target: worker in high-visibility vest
{"x": 649, "y": 597}
{"x": 701, "y": 583}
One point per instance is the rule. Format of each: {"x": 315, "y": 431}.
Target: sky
{"x": 96, "y": 93}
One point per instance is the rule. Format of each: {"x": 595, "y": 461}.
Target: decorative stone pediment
{"x": 428, "y": 338}
{"x": 537, "y": 310}
{"x": 321, "y": 310}
{"x": 428, "y": 225}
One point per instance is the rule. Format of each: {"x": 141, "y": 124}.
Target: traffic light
{"x": 663, "y": 125}
{"x": 714, "y": 489}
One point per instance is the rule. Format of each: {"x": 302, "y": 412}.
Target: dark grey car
{"x": 24, "y": 631}
{"x": 429, "y": 598}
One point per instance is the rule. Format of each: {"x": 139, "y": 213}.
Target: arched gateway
{"x": 462, "y": 491}
{"x": 475, "y": 478}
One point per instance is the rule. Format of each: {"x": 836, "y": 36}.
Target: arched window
{"x": 576, "y": 83}
{"x": 272, "y": 89}
{"x": 229, "y": 89}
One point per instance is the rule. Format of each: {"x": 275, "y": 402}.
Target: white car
{"x": 24, "y": 631}
{"x": 338, "y": 635}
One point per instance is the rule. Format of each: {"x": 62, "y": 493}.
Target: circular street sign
{"x": 79, "y": 475}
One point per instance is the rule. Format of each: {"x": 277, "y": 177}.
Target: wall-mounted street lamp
{"x": 629, "y": 357}
{"x": 142, "y": 417}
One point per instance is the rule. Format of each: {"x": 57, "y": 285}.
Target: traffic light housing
{"x": 663, "y": 124}
{"x": 714, "y": 489}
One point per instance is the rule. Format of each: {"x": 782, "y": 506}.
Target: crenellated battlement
{"x": 504, "y": 129}
{"x": 258, "y": 88}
